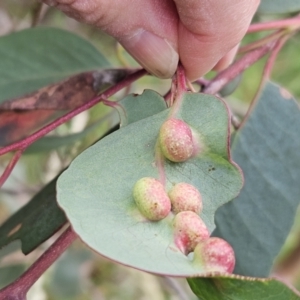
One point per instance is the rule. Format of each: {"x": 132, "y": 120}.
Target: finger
{"x": 210, "y": 29}
{"x": 226, "y": 60}
{"x": 146, "y": 29}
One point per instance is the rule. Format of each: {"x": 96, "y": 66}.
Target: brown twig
{"x": 19, "y": 288}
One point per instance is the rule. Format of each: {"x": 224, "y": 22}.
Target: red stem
{"x": 168, "y": 97}
{"x": 180, "y": 89}
{"x": 273, "y": 55}
{"x": 19, "y": 288}
{"x": 292, "y": 23}
{"x": 10, "y": 166}
{"x": 181, "y": 82}
{"x": 271, "y": 37}
{"x": 237, "y": 68}
{"x": 22, "y": 145}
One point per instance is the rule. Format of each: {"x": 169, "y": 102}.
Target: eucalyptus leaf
{"x": 35, "y": 222}
{"x": 230, "y": 87}
{"x": 241, "y": 288}
{"x": 36, "y": 57}
{"x": 267, "y": 147}
{"x": 10, "y": 273}
{"x": 96, "y": 191}
{"x": 134, "y": 108}
{"x": 278, "y": 6}
{"x": 49, "y": 143}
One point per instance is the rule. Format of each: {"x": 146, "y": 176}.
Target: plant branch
{"x": 291, "y": 23}
{"x": 23, "y": 144}
{"x": 259, "y": 43}
{"x": 19, "y": 288}
{"x": 273, "y": 55}
{"x": 36, "y": 13}
{"x": 10, "y": 166}
{"x": 237, "y": 68}
{"x": 179, "y": 80}
{"x": 176, "y": 287}
{"x": 168, "y": 97}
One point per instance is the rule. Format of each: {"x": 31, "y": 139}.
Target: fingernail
{"x": 154, "y": 53}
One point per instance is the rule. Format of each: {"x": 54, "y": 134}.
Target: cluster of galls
{"x": 178, "y": 144}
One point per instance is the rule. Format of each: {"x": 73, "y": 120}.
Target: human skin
{"x": 203, "y": 34}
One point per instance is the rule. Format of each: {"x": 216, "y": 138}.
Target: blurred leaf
{"x": 49, "y": 143}
{"x": 230, "y": 87}
{"x": 10, "y": 273}
{"x": 20, "y": 117}
{"x": 67, "y": 279}
{"x": 35, "y": 222}
{"x": 69, "y": 93}
{"x": 15, "y": 125}
{"x": 36, "y": 57}
{"x": 241, "y": 288}
{"x": 10, "y": 248}
{"x": 286, "y": 69}
{"x": 267, "y": 149}
{"x": 96, "y": 190}
{"x": 278, "y": 6}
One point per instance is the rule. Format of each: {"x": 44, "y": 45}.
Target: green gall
{"x": 151, "y": 199}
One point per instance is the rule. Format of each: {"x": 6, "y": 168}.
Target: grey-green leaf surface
{"x": 134, "y": 108}
{"x": 35, "y": 57}
{"x": 35, "y": 222}
{"x": 278, "y": 6}
{"x": 267, "y": 147}
{"x": 96, "y": 191}
{"x": 241, "y": 288}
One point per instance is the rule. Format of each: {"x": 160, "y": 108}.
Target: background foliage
{"x": 80, "y": 274}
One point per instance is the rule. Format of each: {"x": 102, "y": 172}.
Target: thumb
{"x": 146, "y": 29}
{"x": 210, "y": 29}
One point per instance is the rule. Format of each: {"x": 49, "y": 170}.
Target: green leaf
{"x": 241, "y": 288}
{"x": 267, "y": 147}
{"x": 131, "y": 110}
{"x": 278, "y": 6}
{"x": 134, "y": 108}
{"x": 35, "y": 222}
{"x": 66, "y": 281}
{"x": 230, "y": 87}
{"x": 10, "y": 273}
{"x": 96, "y": 191}
{"x": 36, "y": 57}
{"x": 49, "y": 143}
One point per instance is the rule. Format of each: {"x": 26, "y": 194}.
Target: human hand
{"x": 157, "y": 33}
